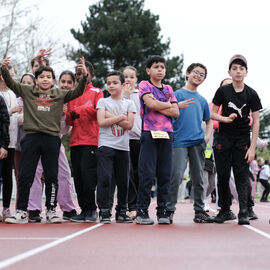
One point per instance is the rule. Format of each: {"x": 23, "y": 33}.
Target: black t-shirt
{"x": 240, "y": 103}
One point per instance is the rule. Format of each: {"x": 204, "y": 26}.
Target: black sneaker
{"x": 68, "y": 215}
{"x": 79, "y": 218}
{"x": 122, "y": 217}
{"x": 143, "y": 218}
{"x": 162, "y": 217}
{"x": 91, "y": 216}
{"x": 202, "y": 217}
{"x": 243, "y": 217}
{"x": 224, "y": 215}
{"x": 170, "y": 215}
{"x": 251, "y": 214}
{"x": 34, "y": 216}
{"x": 105, "y": 216}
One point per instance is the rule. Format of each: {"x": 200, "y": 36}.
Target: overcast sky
{"x": 208, "y": 31}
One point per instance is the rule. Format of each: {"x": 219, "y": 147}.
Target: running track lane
{"x": 183, "y": 245}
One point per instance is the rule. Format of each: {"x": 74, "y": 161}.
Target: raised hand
{"x": 185, "y": 103}
{"x": 5, "y": 62}
{"x": 127, "y": 90}
{"x": 81, "y": 66}
{"x": 44, "y": 52}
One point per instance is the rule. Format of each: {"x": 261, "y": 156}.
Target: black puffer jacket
{"x": 4, "y": 124}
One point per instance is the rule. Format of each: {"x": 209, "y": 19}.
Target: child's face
{"x": 157, "y": 71}
{"x": 27, "y": 80}
{"x": 114, "y": 85}
{"x": 66, "y": 82}
{"x": 35, "y": 66}
{"x": 45, "y": 81}
{"x": 130, "y": 77}
{"x": 196, "y": 76}
{"x": 79, "y": 75}
{"x": 238, "y": 72}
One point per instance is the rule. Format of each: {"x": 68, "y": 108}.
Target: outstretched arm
{"x": 78, "y": 91}
{"x": 11, "y": 84}
{"x": 220, "y": 118}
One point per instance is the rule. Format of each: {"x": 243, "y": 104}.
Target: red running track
{"x": 183, "y": 245}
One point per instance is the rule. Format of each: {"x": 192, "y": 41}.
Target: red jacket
{"x": 84, "y": 129}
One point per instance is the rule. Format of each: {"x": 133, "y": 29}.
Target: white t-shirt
{"x": 11, "y": 102}
{"x": 115, "y": 136}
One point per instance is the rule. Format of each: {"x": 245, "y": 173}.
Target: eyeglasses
{"x": 196, "y": 72}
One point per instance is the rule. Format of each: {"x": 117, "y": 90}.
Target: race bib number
{"x": 156, "y": 134}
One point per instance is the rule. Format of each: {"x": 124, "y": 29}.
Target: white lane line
{"x": 264, "y": 234}
{"x": 29, "y": 238}
{"x": 32, "y": 252}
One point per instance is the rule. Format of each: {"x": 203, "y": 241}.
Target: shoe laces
{"x": 162, "y": 213}
{"x": 52, "y": 212}
{"x": 6, "y": 212}
{"x": 20, "y": 213}
{"x": 144, "y": 213}
{"x": 106, "y": 214}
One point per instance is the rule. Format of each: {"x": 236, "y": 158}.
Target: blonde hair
{"x": 260, "y": 161}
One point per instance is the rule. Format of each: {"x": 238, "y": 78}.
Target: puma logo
{"x": 233, "y": 106}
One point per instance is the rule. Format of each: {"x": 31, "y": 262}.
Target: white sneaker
{"x": 52, "y": 217}
{"x": 5, "y": 214}
{"x": 131, "y": 214}
{"x": 20, "y": 217}
{"x": 206, "y": 206}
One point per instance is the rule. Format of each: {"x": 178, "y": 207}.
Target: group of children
{"x": 131, "y": 139}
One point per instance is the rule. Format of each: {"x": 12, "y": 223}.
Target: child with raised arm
{"x": 158, "y": 106}
{"x": 232, "y": 146}
{"x": 65, "y": 187}
{"x": 115, "y": 117}
{"x": 82, "y": 116}
{"x": 43, "y": 107}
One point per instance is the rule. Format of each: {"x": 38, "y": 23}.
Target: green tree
{"x": 264, "y": 133}
{"x": 265, "y": 124}
{"x": 118, "y": 33}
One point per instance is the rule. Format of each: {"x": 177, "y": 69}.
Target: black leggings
{"x": 266, "y": 191}
{"x": 7, "y": 165}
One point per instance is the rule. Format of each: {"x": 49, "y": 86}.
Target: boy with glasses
{"x": 190, "y": 141}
